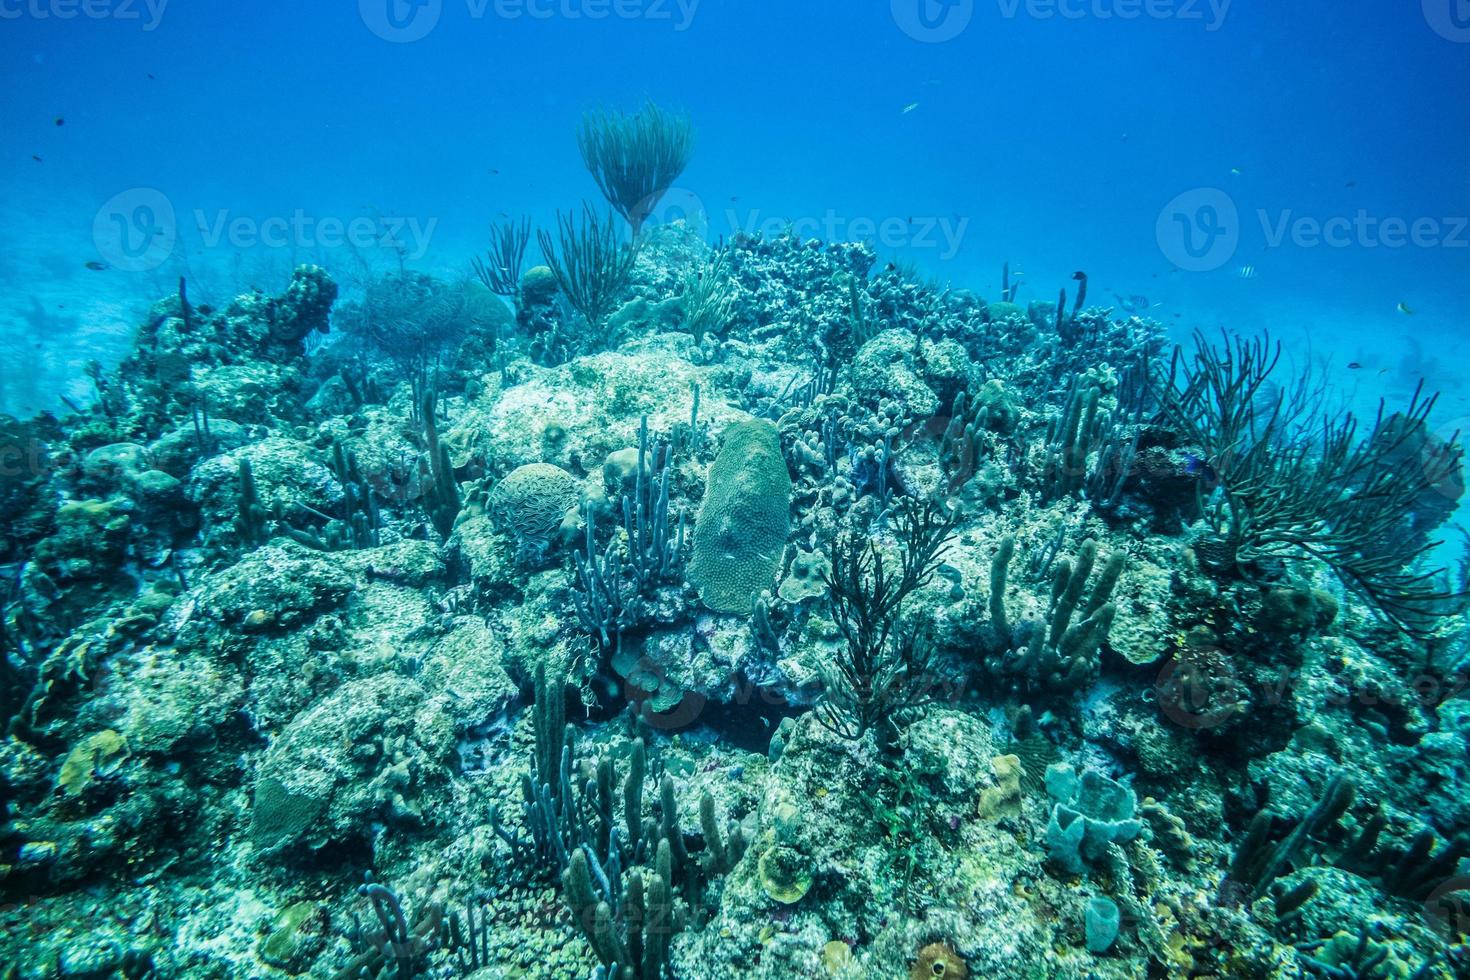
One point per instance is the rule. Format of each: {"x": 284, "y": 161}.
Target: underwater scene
{"x": 693, "y": 490}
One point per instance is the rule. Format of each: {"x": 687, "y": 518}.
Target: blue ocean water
{"x": 194, "y": 623}
{"x": 957, "y": 135}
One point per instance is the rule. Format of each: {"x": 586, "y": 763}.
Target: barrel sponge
{"x": 532, "y": 500}
{"x": 1088, "y": 814}
{"x": 740, "y": 533}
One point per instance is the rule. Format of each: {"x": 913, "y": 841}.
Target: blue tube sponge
{"x": 1100, "y": 923}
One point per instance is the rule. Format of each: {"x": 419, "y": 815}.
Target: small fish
{"x": 1352, "y": 183}
{"x": 494, "y": 173}
{"x": 150, "y": 76}
{"x": 1196, "y": 466}
{"x": 1134, "y": 304}
{"x": 1247, "y": 272}
{"x": 96, "y": 266}
{"x": 1235, "y": 171}
{"x": 60, "y": 121}
{"x": 35, "y": 158}
{"x": 1404, "y": 309}
{"x": 1354, "y": 366}
{"x": 910, "y": 108}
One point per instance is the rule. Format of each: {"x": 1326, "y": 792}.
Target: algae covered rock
{"x": 465, "y": 665}
{"x": 367, "y": 752}
{"x": 740, "y": 533}
{"x": 90, "y": 541}
{"x": 276, "y": 326}
{"x": 1004, "y": 798}
{"x": 575, "y": 414}
{"x": 289, "y": 482}
{"x": 887, "y": 367}
{"x": 272, "y": 588}
{"x": 804, "y": 579}
{"x": 169, "y": 698}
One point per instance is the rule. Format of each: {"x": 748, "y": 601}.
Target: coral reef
{"x": 677, "y": 611}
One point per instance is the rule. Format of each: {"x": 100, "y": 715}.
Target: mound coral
{"x": 740, "y": 532}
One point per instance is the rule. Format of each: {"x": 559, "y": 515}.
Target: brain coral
{"x": 532, "y": 500}
{"x": 741, "y": 529}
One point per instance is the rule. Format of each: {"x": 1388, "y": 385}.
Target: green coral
{"x": 785, "y": 874}
{"x": 806, "y": 577}
{"x": 741, "y": 529}
{"x": 97, "y": 757}
{"x": 538, "y": 286}
{"x": 297, "y": 936}
{"x": 280, "y": 816}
